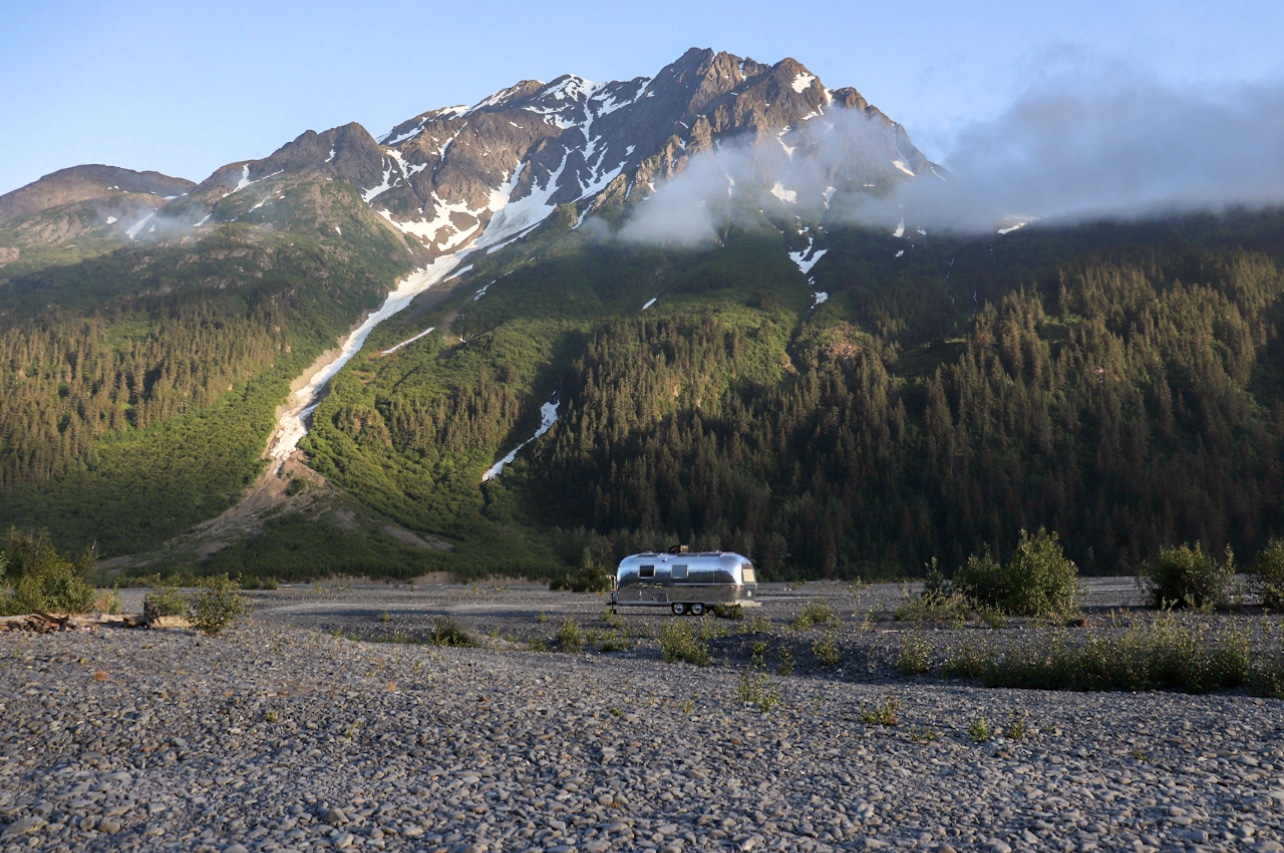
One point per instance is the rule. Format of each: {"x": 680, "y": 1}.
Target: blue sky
{"x": 184, "y": 87}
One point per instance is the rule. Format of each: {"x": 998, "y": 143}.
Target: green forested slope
{"x": 137, "y": 386}
{"x": 1117, "y": 383}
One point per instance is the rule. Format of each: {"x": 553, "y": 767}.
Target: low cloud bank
{"x": 1088, "y": 142}
{"x": 1115, "y": 142}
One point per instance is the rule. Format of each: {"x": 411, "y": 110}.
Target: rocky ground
{"x": 285, "y": 734}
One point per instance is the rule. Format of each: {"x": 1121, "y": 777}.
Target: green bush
{"x": 916, "y": 655}
{"x": 826, "y": 650}
{"x": 733, "y": 612}
{"x": 447, "y": 632}
{"x": 570, "y": 636}
{"x": 1187, "y": 577}
{"x": 679, "y": 642}
{"x": 1267, "y": 579}
{"x": 34, "y": 578}
{"x": 585, "y": 579}
{"x": 934, "y": 605}
{"x": 982, "y": 581}
{"x": 1038, "y": 581}
{"x": 165, "y": 600}
{"x": 815, "y": 612}
{"x": 1041, "y": 580}
{"x": 217, "y": 604}
{"x": 1163, "y": 655}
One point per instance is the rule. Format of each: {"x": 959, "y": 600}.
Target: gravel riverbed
{"x": 285, "y": 734}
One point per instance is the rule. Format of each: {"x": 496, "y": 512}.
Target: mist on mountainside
{"x": 1109, "y": 142}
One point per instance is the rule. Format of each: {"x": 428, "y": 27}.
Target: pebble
{"x": 277, "y": 736}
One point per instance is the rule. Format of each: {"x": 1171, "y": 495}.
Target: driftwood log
{"x": 48, "y": 623}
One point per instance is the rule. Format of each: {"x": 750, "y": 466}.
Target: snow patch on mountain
{"x": 390, "y": 350}
{"x": 547, "y": 417}
{"x": 293, "y": 425}
{"x": 132, "y": 231}
{"x": 805, "y": 263}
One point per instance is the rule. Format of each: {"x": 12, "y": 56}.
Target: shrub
{"x": 982, "y": 581}
{"x": 616, "y": 641}
{"x": 935, "y": 606}
{"x": 678, "y": 642}
{"x": 570, "y": 637}
{"x": 1039, "y": 580}
{"x": 887, "y": 714}
{"x": 814, "y": 612}
{"x": 916, "y": 655}
{"x": 34, "y": 578}
{"x": 1267, "y": 578}
{"x": 591, "y": 576}
{"x": 1165, "y": 655}
{"x": 979, "y": 731}
{"x": 729, "y": 611}
{"x": 1015, "y": 729}
{"x": 217, "y": 604}
{"x": 826, "y": 650}
{"x": 165, "y": 600}
{"x": 1187, "y": 577}
{"x": 446, "y": 632}
{"x": 756, "y": 689}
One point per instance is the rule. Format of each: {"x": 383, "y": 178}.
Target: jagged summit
{"x": 477, "y": 176}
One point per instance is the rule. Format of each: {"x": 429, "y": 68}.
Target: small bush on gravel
{"x": 1187, "y": 577}
{"x": 616, "y": 641}
{"x": 678, "y": 642}
{"x": 165, "y": 600}
{"x": 446, "y": 632}
{"x": 826, "y": 649}
{"x": 916, "y": 655}
{"x": 886, "y": 714}
{"x": 1165, "y": 655}
{"x": 970, "y": 660}
{"x": 729, "y": 611}
{"x": 591, "y": 576}
{"x": 570, "y": 637}
{"x": 934, "y": 606}
{"x": 815, "y": 612}
{"x": 1015, "y": 728}
{"x": 1039, "y": 580}
{"x": 217, "y": 604}
{"x": 979, "y": 731}
{"x": 34, "y": 578}
{"x": 1267, "y": 579}
{"x": 756, "y": 689}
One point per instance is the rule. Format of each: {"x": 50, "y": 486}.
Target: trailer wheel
{"x": 697, "y": 610}
{"x": 679, "y": 608}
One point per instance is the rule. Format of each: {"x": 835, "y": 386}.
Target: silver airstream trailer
{"x": 684, "y": 582}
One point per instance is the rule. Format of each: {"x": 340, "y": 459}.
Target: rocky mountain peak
{"x": 85, "y": 183}
{"x": 457, "y": 177}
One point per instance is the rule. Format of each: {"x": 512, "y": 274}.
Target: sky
{"x": 185, "y": 87}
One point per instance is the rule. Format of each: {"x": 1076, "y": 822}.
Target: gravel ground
{"x": 283, "y": 734}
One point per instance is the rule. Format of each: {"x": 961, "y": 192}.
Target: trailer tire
{"x": 678, "y": 608}
{"x": 697, "y": 610}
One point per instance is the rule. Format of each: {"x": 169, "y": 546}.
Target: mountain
{"x": 86, "y": 183}
{"x": 680, "y": 308}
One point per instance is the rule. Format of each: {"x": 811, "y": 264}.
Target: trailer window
{"x": 747, "y": 573}
{"x": 680, "y": 572}
{"x": 646, "y": 571}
